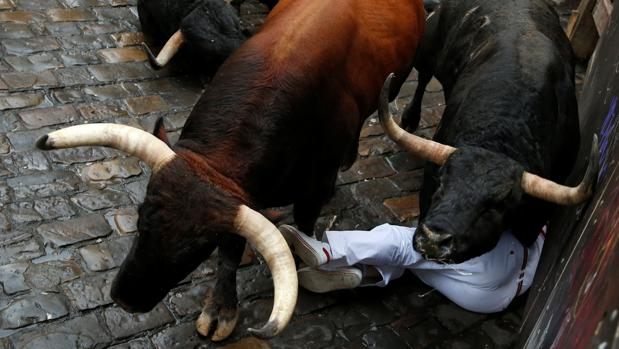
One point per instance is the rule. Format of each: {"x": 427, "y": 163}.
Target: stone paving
{"x": 67, "y": 217}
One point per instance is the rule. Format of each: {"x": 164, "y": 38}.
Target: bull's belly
{"x": 272, "y": 189}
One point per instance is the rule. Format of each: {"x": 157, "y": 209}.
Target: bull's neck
{"x": 208, "y": 172}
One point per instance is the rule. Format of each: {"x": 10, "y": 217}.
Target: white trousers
{"x": 484, "y": 284}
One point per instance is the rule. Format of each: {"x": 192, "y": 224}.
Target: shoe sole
{"x": 301, "y": 248}
{"x": 323, "y": 281}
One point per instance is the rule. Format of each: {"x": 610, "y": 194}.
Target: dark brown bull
{"x": 279, "y": 119}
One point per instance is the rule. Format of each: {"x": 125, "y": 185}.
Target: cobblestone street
{"x": 67, "y": 217}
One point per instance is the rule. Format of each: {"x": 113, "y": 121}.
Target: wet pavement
{"x": 67, "y": 217}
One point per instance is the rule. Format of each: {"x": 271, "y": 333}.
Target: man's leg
{"x": 385, "y": 245}
{"x": 347, "y": 259}
{"x": 321, "y": 280}
{"x": 312, "y": 252}
{"x": 484, "y": 284}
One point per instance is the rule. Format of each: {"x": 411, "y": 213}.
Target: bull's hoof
{"x": 215, "y": 319}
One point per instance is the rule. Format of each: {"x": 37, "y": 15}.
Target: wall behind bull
{"x": 574, "y": 301}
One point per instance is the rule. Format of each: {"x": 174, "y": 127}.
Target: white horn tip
{"x": 383, "y": 103}
{"x": 269, "y": 330}
{"x": 593, "y": 168}
{"x": 387, "y": 87}
{"x": 152, "y": 59}
{"x": 45, "y": 143}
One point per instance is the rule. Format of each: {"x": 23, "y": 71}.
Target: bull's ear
{"x": 159, "y": 131}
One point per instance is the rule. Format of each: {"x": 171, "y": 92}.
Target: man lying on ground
{"x": 349, "y": 259}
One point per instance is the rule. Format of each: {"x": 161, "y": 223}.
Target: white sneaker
{"x": 321, "y": 280}
{"x": 311, "y": 251}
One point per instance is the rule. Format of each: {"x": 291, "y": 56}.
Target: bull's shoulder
{"x": 506, "y": 33}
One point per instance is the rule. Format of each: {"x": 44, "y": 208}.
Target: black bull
{"x": 508, "y": 76}
{"x": 211, "y": 29}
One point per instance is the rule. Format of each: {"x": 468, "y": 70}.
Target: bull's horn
{"x": 270, "y": 243}
{"x": 424, "y": 148}
{"x": 563, "y": 195}
{"x": 168, "y": 51}
{"x": 150, "y": 149}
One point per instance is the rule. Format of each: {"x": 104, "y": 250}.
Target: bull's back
{"x": 343, "y": 47}
{"x": 287, "y": 107}
{"x": 509, "y": 72}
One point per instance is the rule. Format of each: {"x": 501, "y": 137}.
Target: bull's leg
{"x": 306, "y": 214}
{"x": 319, "y": 187}
{"x": 307, "y": 209}
{"x": 148, "y": 23}
{"x": 150, "y": 29}
{"x": 425, "y": 59}
{"x": 412, "y": 113}
{"x": 220, "y": 311}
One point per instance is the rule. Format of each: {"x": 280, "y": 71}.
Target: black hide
{"x": 507, "y": 72}
{"x": 212, "y": 28}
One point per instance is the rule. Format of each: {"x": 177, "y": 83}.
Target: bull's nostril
{"x": 418, "y": 243}
{"x": 433, "y": 236}
{"x": 446, "y": 247}
{"x": 433, "y": 244}
{"x": 421, "y": 238}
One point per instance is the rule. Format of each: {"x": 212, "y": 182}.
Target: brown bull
{"x": 280, "y": 118}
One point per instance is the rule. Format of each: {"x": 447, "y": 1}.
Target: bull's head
{"x": 179, "y": 223}
{"x": 466, "y": 211}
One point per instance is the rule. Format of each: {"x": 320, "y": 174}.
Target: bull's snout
{"x": 131, "y": 301}
{"x": 433, "y": 245}
{"x": 134, "y": 294}
{"x": 126, "y": 307}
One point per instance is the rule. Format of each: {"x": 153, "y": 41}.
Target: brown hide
{"x": 354, "y": 43}
{"x": 205, "y": 171}
{"x": 278, "y": 120}
{"x": 292, "y": 99}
